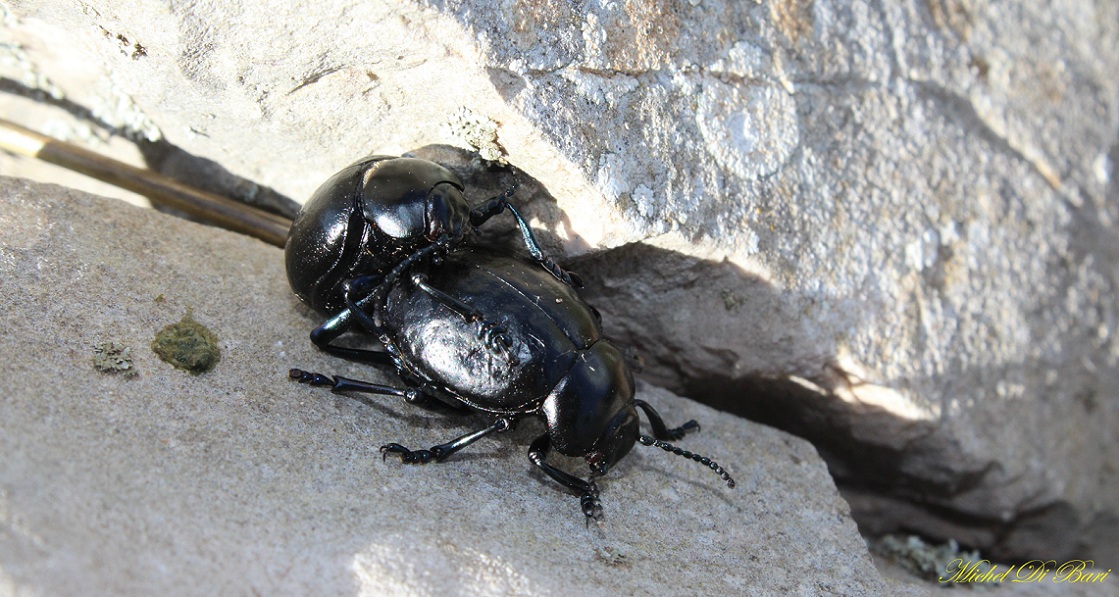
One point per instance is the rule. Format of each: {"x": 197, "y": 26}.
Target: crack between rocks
{"x": 167, "y": 158}
{"x": 609, "y": 73}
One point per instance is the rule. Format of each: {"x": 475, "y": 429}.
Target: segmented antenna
{"x": 667, "y": 447}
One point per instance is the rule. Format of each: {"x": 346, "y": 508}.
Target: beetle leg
{"x": 442, "y": 451}
{"x": 570, "y": 278}
{"x": 587, "y": 490}
{"x": 362, "y": 295}
{"x": 464, "y": 310}
{"x": 492, "y": 334}
{"x": 660, "y": 430}
{"x": 500, "y": 203}
{"x": 340, "y": 384}
{"x": 359, "y": 294}
{"x": 420, "y": 394}
{"x": 324, "y": 335}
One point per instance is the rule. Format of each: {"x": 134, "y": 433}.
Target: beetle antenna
{"x": 667, "y": 447}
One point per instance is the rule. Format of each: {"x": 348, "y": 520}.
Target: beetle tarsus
{"x": 681, "y": 431}
{"x": 310, "y": 378}
{"x": 590, "y": 504}
{"x": 443, "y": 451}
{"x": 587, "y": 490}
{"x": 567, "y": 277}
{"x": 497, "y": 340}
{"x": 409, "y": 456}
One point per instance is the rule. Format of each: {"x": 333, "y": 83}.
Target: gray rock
{"x": 240, "y": 481}
{"x": 887, "y": 227}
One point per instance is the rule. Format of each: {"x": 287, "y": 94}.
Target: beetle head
{"x": 412, "y": 199}
{"x": 447, "y": 214}
{"x": 591, "y": 413}
{"x": 615, "y": 442}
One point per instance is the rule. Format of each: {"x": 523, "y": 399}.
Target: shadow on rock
{"x": 169, "y": 159}
{"x": 726, "y": 337}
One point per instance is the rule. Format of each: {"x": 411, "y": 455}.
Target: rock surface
{"x": 888, "y": 227}
{"x": 240, "y": 481}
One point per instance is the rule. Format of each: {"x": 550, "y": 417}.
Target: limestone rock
{"x": 240, "y": 481}
{"x": 887, "y": 227}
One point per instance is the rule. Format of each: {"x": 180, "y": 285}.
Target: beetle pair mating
{"x": 383, "y": 248}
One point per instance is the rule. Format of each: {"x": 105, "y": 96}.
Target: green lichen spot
{"x": 113, "y": 357}
{"x": 731, "y": 301}
{"x": 187, "y": 345}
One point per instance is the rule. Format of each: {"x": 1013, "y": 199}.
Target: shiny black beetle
{"x": 379, "y": 249}
{"x": 375, "y": 213}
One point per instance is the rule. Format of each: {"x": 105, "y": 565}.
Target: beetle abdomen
{"x": 520, "y": 336}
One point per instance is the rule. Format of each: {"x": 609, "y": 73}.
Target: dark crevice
{"x": 899, "y": 475}
{"x": 876, "y": 481}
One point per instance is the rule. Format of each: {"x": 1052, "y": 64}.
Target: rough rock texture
{"x": 887, "y": 226}
{"x": 240, "y": 481}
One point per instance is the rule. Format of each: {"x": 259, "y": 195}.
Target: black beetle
{"x": 375, "y": 213}
{"x": 466, "y": 326}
